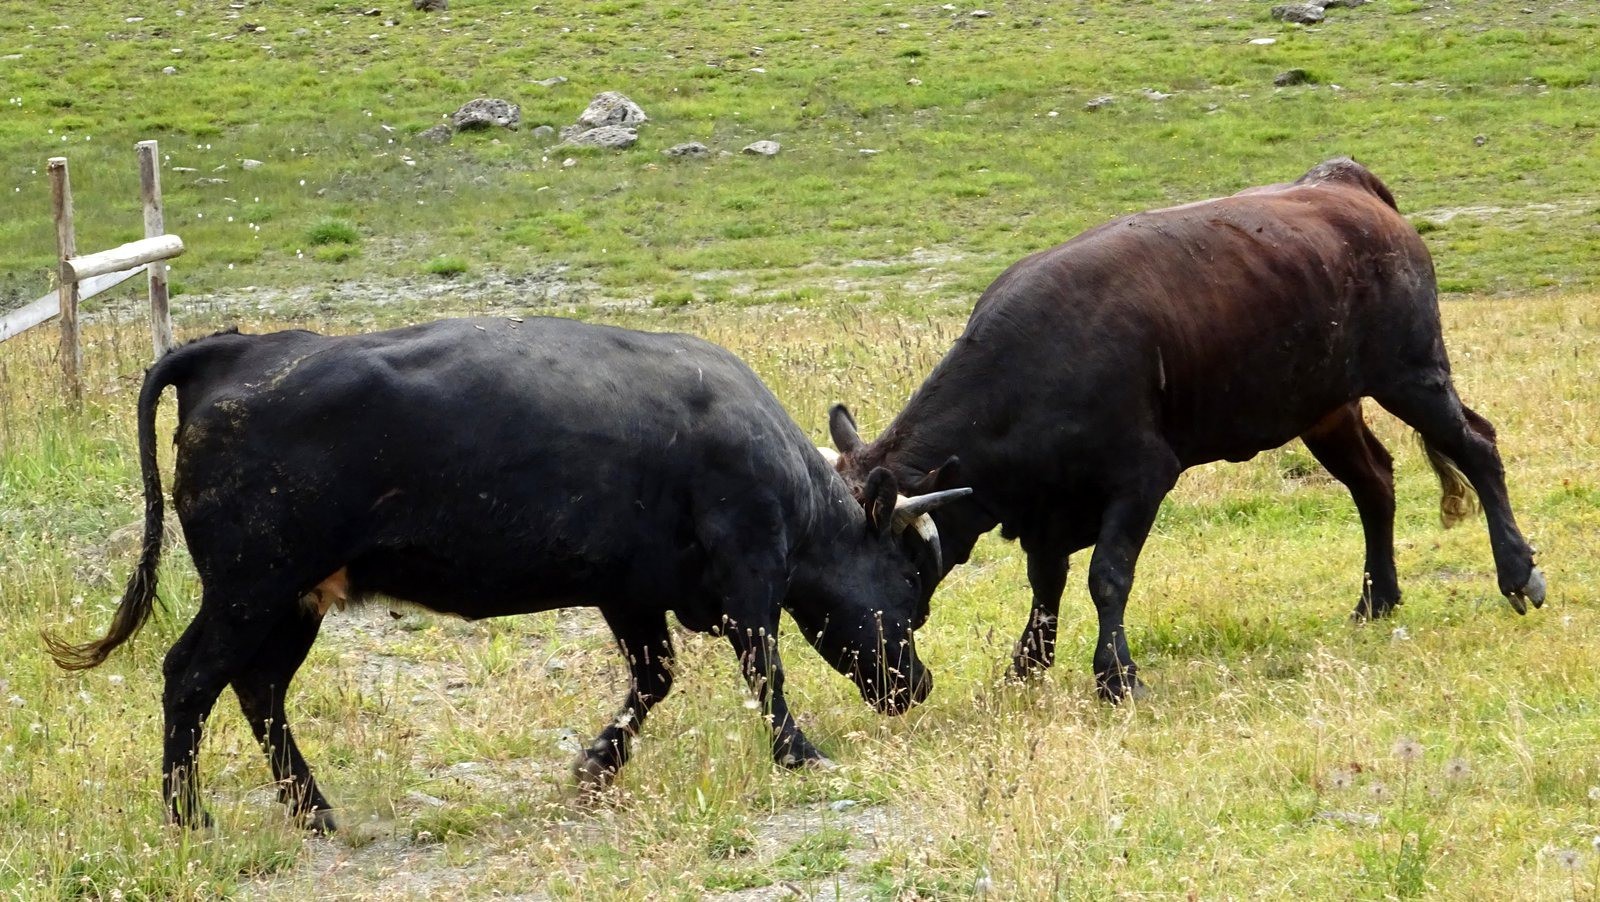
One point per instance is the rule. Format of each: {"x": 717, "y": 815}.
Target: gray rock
{"x": 764, "y": 148}
{"x": 1100, "y": 103}
{"x": 1302, "y": 13}
{"x": 1480, "y": 140}
{"x": 569, "y": 131}
{"x": 169, "y": 70}
{"x": 251, "y": 164}
{"x": 1344, "y": 4}
{"x": 980, "y": 14}
{"x": 691, "y": 149}
{"x": 552, "y": 81}
{"x": 431, "y": 6}
{"x": 1290, "y": 77}
{"x": 612, "y": 108}
{"x": 485, "y": 112}
{"x": 609, "y": 137}
{"x": 1351, "y": 818}
{"x": 440, "y": 133}
{"x": 544, "y": 133}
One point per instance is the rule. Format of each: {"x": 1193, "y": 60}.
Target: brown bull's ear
{"x": 842, "y": 426}
{"x": 947, "y": 476}
{"x": 878, "y": 496}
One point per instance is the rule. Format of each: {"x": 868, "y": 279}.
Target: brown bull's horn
{"x": 907, "y": 510}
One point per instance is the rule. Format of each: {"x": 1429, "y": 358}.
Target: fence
{"x": 82, "y": 277}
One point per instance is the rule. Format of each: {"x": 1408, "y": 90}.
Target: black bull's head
{"x": 877, "y": 649}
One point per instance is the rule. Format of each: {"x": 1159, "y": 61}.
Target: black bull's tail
{"x": 139, "y": 597}
{"x": 1457, "y": 500}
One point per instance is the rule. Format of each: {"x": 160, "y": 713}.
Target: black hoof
{"x": 1533, "y": 591}
{"x": 800, "y": 754}
{"x": 1027, "y": 668}
{"x": 1118, "y": 688}
{"x": 319, "y": 821}
{"x": 594, "y": 775}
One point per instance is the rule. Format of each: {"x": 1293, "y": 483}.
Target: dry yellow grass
{"x": 1448, "y": 753}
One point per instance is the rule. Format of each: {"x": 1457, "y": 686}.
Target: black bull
{"x": 492, "y": 467}
{"x": 1091, "y": 375}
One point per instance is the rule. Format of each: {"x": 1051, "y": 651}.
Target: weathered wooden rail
{"x": 82, "y": 277}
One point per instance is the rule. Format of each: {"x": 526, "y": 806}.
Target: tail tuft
{"x": 1457, "y": 500}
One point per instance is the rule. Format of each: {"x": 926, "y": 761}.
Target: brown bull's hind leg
{"x": 1344, "y": 445}
{"x": 1430, "y": 405}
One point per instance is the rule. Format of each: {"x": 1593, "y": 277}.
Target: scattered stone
{"x": 843, "y": 804}
{"x": 609, "y": 137}
{"x": 251, "y": 164}
{"x": 1480, "y": 140}
{"x": 1153, "y": 94}
{"x": 612, "y": 108}
{"x": 440, "y": 133}
{"x": 1262, "y": 42}
{"x": 1289, "y": 77}
{"x": 980, "y": 14}
{"x": 880, "y": 31}
{"x": 421, "y": 798}
{"x": 484, "y": 112}
{"x": 373, "y": 12}
{"x": 1300, "y": 13}
{"x": 544, "y": 133}
{"x": 568, "y": 131}
{"x": 431, "y": 6}
{"x": 568, "y": 163}
{"x": 1344, "y": 4}
{"x": 690, "y": 149}
{"x": 1100, "y": 103}
{"x": 184, "y": 169}
{"x": 169, "y": 70}
{"x": 914, "y": 82}
{"x": 763, "y": 148}
{"x": 552, "y": 81}
{"x": 1352, "y": 818}
{"x": 869, "y": 151}
{"x": 210, "y": 181}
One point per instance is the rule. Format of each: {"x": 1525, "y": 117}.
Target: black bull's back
{"x": 1091, "y": 375}
{"x": 480, "y": 467}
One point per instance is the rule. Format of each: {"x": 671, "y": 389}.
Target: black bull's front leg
{"x": 756, "y": 644}
{"x": 646, "y": 644}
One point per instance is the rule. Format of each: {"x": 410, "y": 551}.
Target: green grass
{"x": 972, "y": 164}
{"x": 1271, "y": 759}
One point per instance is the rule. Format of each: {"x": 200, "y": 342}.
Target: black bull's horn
{"x": 913, "y": 512}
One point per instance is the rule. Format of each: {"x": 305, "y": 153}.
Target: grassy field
{"x": 1448, "y": 753}
{"x": 1482, "y": 116}
{"x": 1453, "y": 752}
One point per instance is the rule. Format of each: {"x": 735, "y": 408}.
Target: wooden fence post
{"x": 67, "y": 246}
{"x": 154, "y": 227}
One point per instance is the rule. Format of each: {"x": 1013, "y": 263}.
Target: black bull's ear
{"x": 878, "y": 497}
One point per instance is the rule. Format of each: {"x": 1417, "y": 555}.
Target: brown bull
{"x": 1092, "y": 374}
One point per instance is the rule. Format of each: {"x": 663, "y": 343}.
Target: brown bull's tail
{"x": 140, "y": 595}
{"x": 1457, "y": 500}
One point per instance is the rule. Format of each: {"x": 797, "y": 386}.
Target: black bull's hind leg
{"x": 1344, "y": 445}
{"x": 646, "y": 643}
{"x": 225, "y": 637}
{"x": 1429, "y": 404}
{"x": 261, "y": 688}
